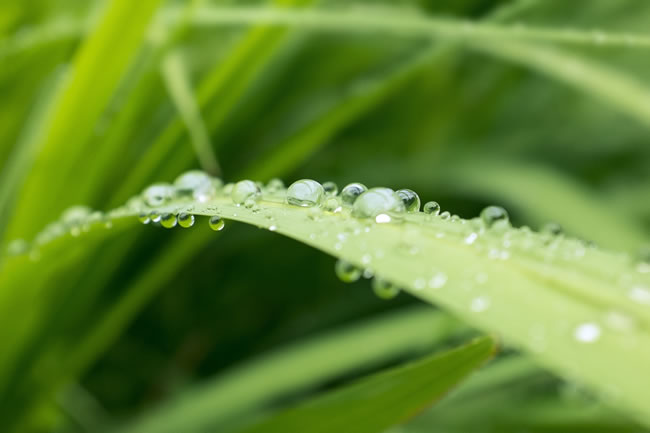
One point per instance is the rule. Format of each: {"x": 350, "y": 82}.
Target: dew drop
{"x": 351, "y": 192}
{"x": 250, "y": 203}
{"x": 305, "y": 193}
{"x": 471, "y": 238}
{"x": 384, "y": 289}
{"x": 480, "y": 304}
{"x": 217, "y": 223}
{"x": 431, "y": 208}
{"x": 552, "y": 228}
{"x": 330, "y": 188}
{"x": 346, "y": 271}
{"x": 333, "y": 205}
{"x": 190, "y": 181}
{"x": 143, "y": 217}
{"x": 445, "y": 215}
{"x": 494, "y": 216}
{"x": 154, "y": 216}
{"x": 185, "y": 220}
{"x": 410, "y": 199}
{"x": 244, "y": 190}
{"x": 640, "y": 294}
{"x": 168, "y": 220}
{"x": 157, "y": 194}
{"x": 75, "y": 214}
{"x": 588, "y": 332}
{"x": 275, "y": 185}
{"x": 438, "y": 281}
{"x": 377, "y": 201}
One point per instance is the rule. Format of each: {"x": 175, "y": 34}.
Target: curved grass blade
{"x": 578, "y": 309}
{"x": 380, "y": 401}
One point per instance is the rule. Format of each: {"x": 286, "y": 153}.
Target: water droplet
{"x": 346, "y": 271}
{"x": 273, "y": 228}
{"x": 384, "y": 289}
{"x": 480, "y": 304}
{"x": 75, "y": 214}
{"x": 552, "y": 228}
{"x": 640, "y": 294}
{"x": 189, "y": 181}
{"x": 351, "y": 192}
{"x": 377, "y": 201}
{"x": 168, "y": 220}
{"x": 445, "y": 215}
{"x": 143, "y": 217}
{"x": 244, "y": 190}
{"x": 438, "y": 281}
{"x": 494, "y": 216}
{"x": 471, "y": 238}
{"x": 185, "y": 220}
{"x": 333, "y": 205}
{"x": 305, "y": 193}
{"x": 157, "y": 194}
{"x": 330, "y": 188}
{"x": 249, "y": 203}
{"x": 431, "y": 208}
{"x": 275, "y": 185}
{"x": 154, "y": 216}
{"x": 410, "y": 199}
{"x": 588, "y": 332}
{"x": 216, "y": 223}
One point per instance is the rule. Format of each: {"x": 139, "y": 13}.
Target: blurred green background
{"x": 101, "y": 98}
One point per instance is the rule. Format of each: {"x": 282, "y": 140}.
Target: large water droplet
{"x": 351, "y": 192}
{"x": 189, "y": 181}
{"x": 410, "y": 199}
{"x": 431, "y": 208}
{"x": 216, "y": 223}
{"x": 378, "y": 201}
{"x": 346, "y": 271}
{"x": 168, "y": 220}
{"x": 494, "y": 216}
{"x": 384, "y": 289}
{"x": 157, "y": 194}
{"x": 243, "y": 190}
{"x": 185, "y": 220}
{"x": 305, "y": 193}
{"x": 588, "y": 332}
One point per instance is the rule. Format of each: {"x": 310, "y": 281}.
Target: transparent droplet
{"x": 588, "y": 332}
{"x": 438, "y": 281}
{"x": 143, "y": 217}
{"x": 250, "y": 203}
{"x": 154, "y": 216}
{"x": 552, "y": 228}
{"x": 445, "y": 215}
{"x": 275, "y": 185}
{"x": 346, "y": 271}
{"x": 431, "y": 208}
{"x": 377, "y": 201}
{"x": 168, "y": 220}
{"x": 332, "y": 204}
{"x": 410, "y": 199}
{"x": 158, "y": 194}
{"x": 216, "y": 223}
{"x": 305, "y": 193}
{"x": 330, "y": 188}
{"x": 75, "y": 214}
{"x": 384, "y": 289}
{"x": 244, "y": 190}
{"x": 351, "y": 192}
{"x": 480, "y": 304}
{"x": 189, "y": 181}
{"x": 494, "y": 216}
{"x": 185, "y": 220}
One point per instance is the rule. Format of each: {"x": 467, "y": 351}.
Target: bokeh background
{"x": 101, "y": 98}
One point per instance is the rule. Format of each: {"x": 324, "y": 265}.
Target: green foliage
{"x": 538, "y": 106}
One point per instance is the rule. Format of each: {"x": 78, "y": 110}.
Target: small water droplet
{"x": 333, "y": 205}
{"x": 346, "y": 271}
{"x": 588, "y": 332}
{"x": 244, "y": 190}
{"x": 275, "y": 185}
{"x": 216, "y": 223}
{"x": 438, "y": 281}
{"x": 185, "y": 220}
{"x": 431, "y": 208}
{"x": 480, "y": 304}
{"x": 640, "y": 294}
{"x": 351, "y": 192}
{"x": 154, "y": 216}
{"x": 445, "y": 215}
{"x": 410, "y": 199}
{"x": 471, "y": 238}
{"x": 384, "y": 289}
{"x": 190, "y": 181}
{"x": 144, "y": 218}
{"x": 552, "y": 229}
{"x": 382, "y": 218}
{"x": 158, "y": 194}
{"x": 305, "y": 193}
{"x": 494, "y": 216}
{"x": 168, "y": 220}
{"x": 249, "y": 203}
{"x": 273, "y": 228}
{"x": 330, "y": 188}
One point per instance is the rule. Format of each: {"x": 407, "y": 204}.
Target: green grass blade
{"x": 256, "y": 383}
{"x": 378, "y": 402}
